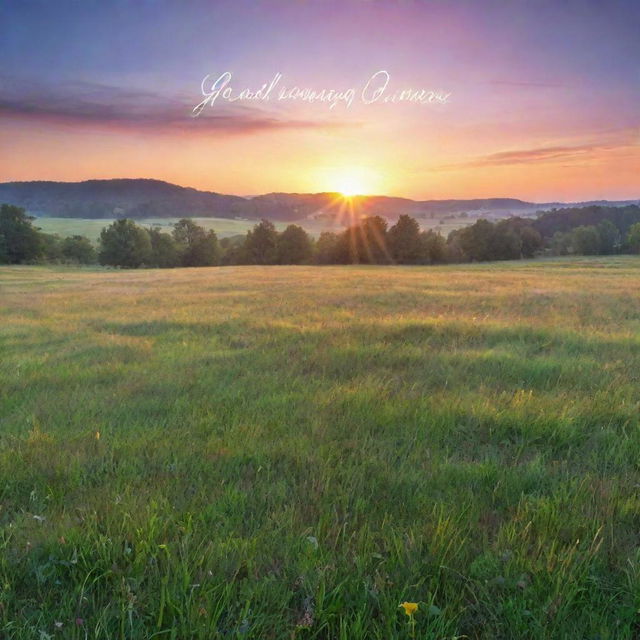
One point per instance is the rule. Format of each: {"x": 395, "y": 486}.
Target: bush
{"x": 78, "y": 249}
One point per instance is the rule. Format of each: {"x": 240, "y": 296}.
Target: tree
{"x": 434, "y": 247}
{"x": 261, "y": 243}
{"x": 233, "y": 250}
{"x": 364, "y": 243}
{"x": 509, "y": 239}
{"x": 585, "y": 240}
{"x": 406, "y": 245}
{"x": 197, "y": 246}
{"x": 326, "y": 248}
{"x": 475, "y": 240}
{"x": 51, "y": 247}
{"x": 609, "y": 237}
{"x": 560, "y": 243}
{"x": 505, "y": 242}
{"x": 633, "y": 238}
{"x": 164, "y": 252}
{"x": 124, "y": 244}
{"x": 78, "y": 249}
{"x": 531, "y": 241}
{"x": 294, "y": 246}
{"x": 20, "y": 241}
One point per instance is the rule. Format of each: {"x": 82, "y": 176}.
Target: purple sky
{"x": 545, "y": 96}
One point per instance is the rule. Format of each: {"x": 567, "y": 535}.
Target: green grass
{"x": 91, "y": 228}
{"x": 290, "y": 452}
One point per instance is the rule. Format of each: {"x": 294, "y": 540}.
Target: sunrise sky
{"x": 544, "y": 104}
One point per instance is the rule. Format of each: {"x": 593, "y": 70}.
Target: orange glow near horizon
{"x": 378, "y": 164}
{"x": 544, "y": 124}
{"x": 351, "y": 181}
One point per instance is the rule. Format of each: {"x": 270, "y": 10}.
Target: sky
{"x": 539, "y": 99}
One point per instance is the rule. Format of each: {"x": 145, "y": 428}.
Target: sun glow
{"x": 350, "y": 185}
{"x": 351, "y": 181}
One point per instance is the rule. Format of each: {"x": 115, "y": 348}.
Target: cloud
{"x": 548, "y": 154}
{"x": 95, "y": 105}
{"x": 526, "y": 83}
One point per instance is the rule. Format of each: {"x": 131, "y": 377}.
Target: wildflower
{"x": 409, "y": 607}
{"x": 79, "y": 621}
{"x": 97, "y": 435}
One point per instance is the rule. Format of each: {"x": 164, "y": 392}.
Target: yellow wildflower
{"x": 409, "y": 607}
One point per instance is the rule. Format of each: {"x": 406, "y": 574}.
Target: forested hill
{"x": 568, "y": 218}
{"x": 117, "y": 198}
{"x": 145, "y": 198}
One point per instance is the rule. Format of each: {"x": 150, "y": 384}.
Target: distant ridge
{"x": 148, "y": 198}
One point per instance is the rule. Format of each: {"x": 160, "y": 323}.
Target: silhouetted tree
{"x": 124, "y": 244}
{"x": 294, "y": 246}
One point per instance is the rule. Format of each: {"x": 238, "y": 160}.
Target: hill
{"x": 146, "y": 198}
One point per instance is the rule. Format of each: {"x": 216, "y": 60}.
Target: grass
{"x": 291, "y": 452}
{"x": 91, "y": 228}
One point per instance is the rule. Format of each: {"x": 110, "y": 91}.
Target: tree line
{"x": 370, "y": 241}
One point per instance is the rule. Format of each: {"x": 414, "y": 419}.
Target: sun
{"x": 351, "y": 185}
{"x": 351, "y": 181}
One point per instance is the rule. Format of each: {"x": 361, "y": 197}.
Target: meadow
{"x": 91, "y": 227}
{"x": 292, "y": 452}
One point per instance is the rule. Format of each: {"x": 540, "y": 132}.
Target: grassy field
{"x": 91, "y": 228}
{"x": 291, "y": 452}
{"x": 224, "y": 227}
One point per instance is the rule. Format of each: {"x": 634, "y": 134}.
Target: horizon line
{"x": 351, "y": 196}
